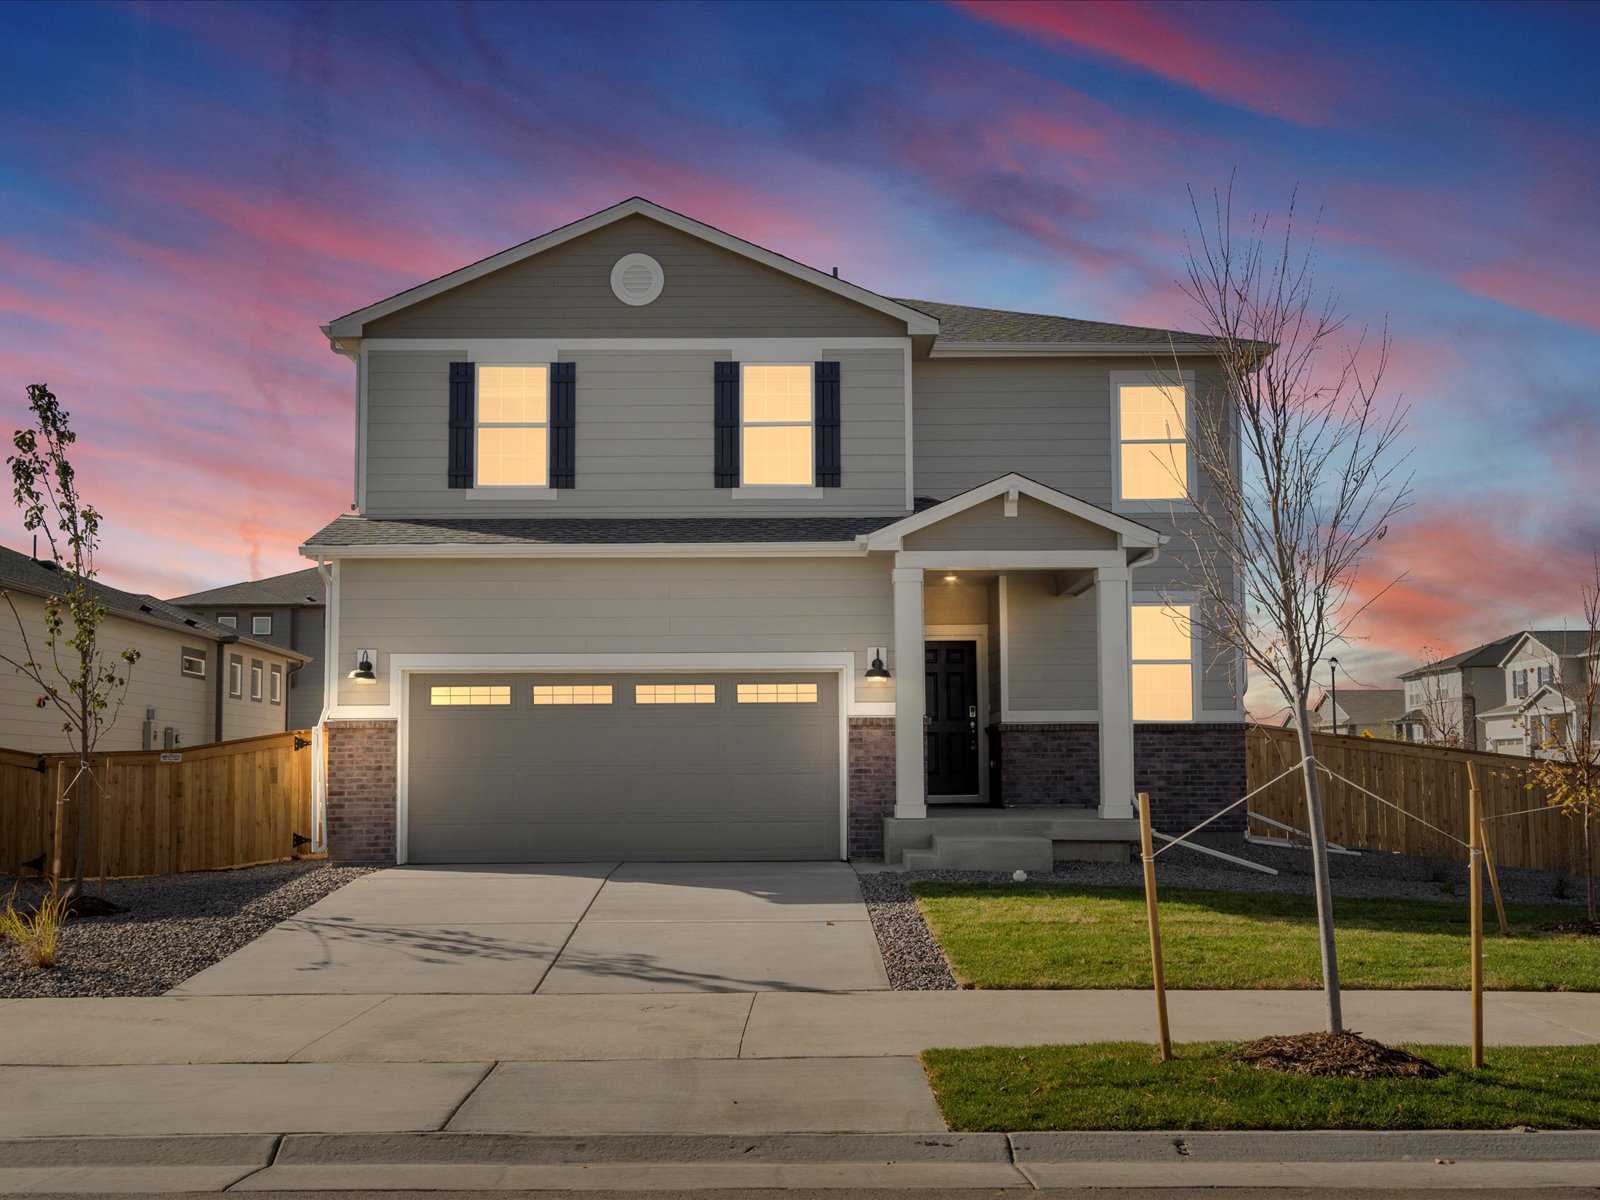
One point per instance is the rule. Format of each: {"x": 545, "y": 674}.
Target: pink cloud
{"x": 1153, "y": 39}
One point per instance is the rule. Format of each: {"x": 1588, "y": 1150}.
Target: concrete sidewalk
{"x": 409, "y": 1028}
{"x": 916, "y": 1163}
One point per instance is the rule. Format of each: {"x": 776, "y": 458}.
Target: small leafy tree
{"x": 1296, "y": 477}
{"x": 1567, "y": 766}
{"x": 83, "y": 683}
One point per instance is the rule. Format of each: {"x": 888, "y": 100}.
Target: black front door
{"x": 952, "y": 686}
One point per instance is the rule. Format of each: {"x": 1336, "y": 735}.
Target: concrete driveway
{"x": 568, "y": 928}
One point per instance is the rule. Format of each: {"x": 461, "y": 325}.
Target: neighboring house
{"x": 668, "y": 547}
{"x": 176, "y": 694}
{"x": 282, "y": 610}
{"x": 1375, "y": 712}
{"x": 1545, "y": 673}
{"x": 1445, "y": 698}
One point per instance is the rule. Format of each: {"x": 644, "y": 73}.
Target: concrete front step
{"x": 981, "y": 852}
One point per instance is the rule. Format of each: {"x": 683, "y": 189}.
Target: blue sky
{"x": 187, "y": 191}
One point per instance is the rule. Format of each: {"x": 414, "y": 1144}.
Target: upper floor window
{"x": 257, "y": 676}
{"x": 235, "y": 676}
{"x": 1150, "y": 416}
{"x": 261, "y": 624}
{"x": 231, "y": 620}
{"x": 275, "y": 685}
{"x": 1163, "y": 662}
{"x": 192, "y": 662}
{"x": 1519, "y": 685}
{"x": 776, "y": 436}
{"x": 513, "y": 434}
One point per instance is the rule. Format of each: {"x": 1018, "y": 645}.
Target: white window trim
{"x": 275, "y": 684}
{"x": 254, "y": 617}
{"x": 509, "y": 491}
{"x": 1193, "y": 661}
{"x": 184, "y": 657}
{"x": 776, "y": 491}
{"x": 1121, "y": 379}
{"x": 228, "y": 620}
{"x": 258, "y": 686}
{"x": 235, "y": 677}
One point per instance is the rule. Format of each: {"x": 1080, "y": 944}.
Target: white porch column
{"x": 1113, "y": 620}
{"x": 910, "y": 739}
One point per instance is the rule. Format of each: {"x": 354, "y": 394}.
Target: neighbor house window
{"x": 513, "y": 426}
{"x": 257, "y": 677}
{"x": 228, "y": 619}
{"x": 275, "y": 685}
{"x": 192, "y": 662}
{"x": 1163, "y": 662}
{"x": 469, "y": 695}
{"x": 675, "y": 693}
{"x": 1519, "y": 685}
{"x": 261, "y": 624}
{"x": 777, "y": 442}
{"x": 1152, "y": 451}
{"x": 235, "y": 676}
{"x": 574, "y": 693}
{"x": 777, "y": 693}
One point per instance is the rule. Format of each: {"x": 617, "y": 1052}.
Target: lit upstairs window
{"x": 777, "y": 441}
{"x": 513, "y": 426}
{"x": 1153, "y": 458}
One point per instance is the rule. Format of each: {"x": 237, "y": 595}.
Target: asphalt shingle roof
{"x": 963, "y": 323}
{"x": 1565, "y": 642}
{"x": 1371, "y": 706}
{"x": 363, "y": 531}
{"x": 295, "y": 588}
{"x": 21, "y": 571}
{"x": 1487, "y": 655}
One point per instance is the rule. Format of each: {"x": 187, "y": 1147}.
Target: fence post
{"x": 1475, "y": 891}
{"x": 1158, "y": 972}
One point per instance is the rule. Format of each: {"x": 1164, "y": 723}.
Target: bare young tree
{"x": 1566, "y": 741}
{"x": 1296, "y": 476}
{"x": 1444, "y": 711}
{"x": 74, "y": 676}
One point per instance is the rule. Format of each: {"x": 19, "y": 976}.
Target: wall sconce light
{"x": 364, "y": 672}
{"x": 877, "y": 670}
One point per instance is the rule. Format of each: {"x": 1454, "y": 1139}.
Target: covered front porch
{"x": 1013, "y": 723}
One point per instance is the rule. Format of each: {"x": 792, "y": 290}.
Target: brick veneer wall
{"x": 871, "y": 773}
{"x": 361, "y": 791}
{"x": 1190, "y": 770}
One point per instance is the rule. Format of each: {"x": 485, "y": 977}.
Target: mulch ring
{"x": 1572, "y": 925}
{"x": 1337, "y": 1055}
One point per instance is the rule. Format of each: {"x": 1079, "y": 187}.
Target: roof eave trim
{"x": 846, "y": 549}
{"x": 352, "y": 324}
{"x": 952, "y": 349}
{"x": 1132, "y": 534}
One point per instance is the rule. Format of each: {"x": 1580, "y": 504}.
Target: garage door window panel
{"x": 675, "y": 693}
{"x": 469, "y": 696}
{"x": 560, "y": 694}
{"x": 777, "y": 693}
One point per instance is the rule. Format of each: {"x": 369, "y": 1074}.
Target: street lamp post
{"x": 1333, "y": 667}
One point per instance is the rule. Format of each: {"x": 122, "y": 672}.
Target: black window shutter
{"x": 727, "y": 424}
{"x": 825, "y": 418}
{"x": 463, "y": 416}
{"x": 563, "y": 425}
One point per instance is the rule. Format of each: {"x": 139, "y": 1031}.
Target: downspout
{"x": 319, "y": 734}
{"x": 226, "y": 639}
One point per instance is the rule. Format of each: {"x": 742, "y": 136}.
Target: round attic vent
{"x": 637, "y": 279}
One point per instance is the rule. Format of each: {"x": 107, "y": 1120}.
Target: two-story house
{"x": 1358, "y": 712}
{"x": 1446, "y": 697}
{"x": 666, "y": 546}
{"x": 281, "y": 610}
{"x": 196, "y": 681}
{"x": 1546, "y": 673}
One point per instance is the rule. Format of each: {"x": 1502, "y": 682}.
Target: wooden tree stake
{"x": 1494, "y": 877}
{"x": 58, "y": 786}
{"x": 1158, "y": 971}
{"x": 1475, "y": 849}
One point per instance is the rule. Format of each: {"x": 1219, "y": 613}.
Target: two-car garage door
{"x": 572, "y": 768}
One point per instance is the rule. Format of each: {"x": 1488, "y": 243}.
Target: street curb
{"x": 179, "y": 1150}
{"x": 1317, "y": 1145}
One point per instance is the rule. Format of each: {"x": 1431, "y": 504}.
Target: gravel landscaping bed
{"x": 175, "y": 926}
{"x": 914, "y": 961}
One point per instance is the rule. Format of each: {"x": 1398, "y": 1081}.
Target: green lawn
{"x": 1121, "y": 1085}
{"x": 1050, "y": 936}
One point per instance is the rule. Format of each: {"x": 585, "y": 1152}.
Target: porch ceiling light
{"x": 950, "y": 578}
{"x": 877, "y": 670}
{"x": 364, "y": 672}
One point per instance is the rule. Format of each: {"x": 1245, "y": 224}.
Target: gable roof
{"x": 351, "y": 324}
{"x": 963, "y": 328}
{"x": 1563, "y": 643}
{"x": 23, "y": 573}
{"x": 1132, "y": 533}
{"x": 1487, "y": 655}
{"x": 297, "y": 589}
{"x": 1368, "y": 706}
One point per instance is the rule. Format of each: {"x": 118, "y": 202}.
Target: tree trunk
{"x": 1588, "y": 859}
{"x": 1319, "y": 868}
{"x": 82, "y": 787}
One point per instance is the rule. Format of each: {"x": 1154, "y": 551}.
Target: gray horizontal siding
{"x": 708, "y": 292}
{"x": 644, "y": 439}
{"x": 1051, "y": 643}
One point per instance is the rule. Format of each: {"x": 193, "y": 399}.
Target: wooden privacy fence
{"x": 230, "y": 804}
{"x": 1429, "y": 782}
